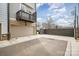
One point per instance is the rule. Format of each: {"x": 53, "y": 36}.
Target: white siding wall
{"x": 31, "y": 5}
{"x": 3, "y": 17}
{"x": 27, "y": 9}
{"x": 14, "y": 7}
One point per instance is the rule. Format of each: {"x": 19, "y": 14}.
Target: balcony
{"x": 24, "y": 16}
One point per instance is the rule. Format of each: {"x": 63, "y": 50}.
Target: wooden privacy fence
{"x": 63, "y": 32}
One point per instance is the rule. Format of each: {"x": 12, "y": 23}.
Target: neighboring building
{"x": 18, "y": 19}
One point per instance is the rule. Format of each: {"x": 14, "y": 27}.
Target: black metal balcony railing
{"x": 24, "y": 16}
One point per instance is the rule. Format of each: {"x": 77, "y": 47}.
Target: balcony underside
{"x": 26, "y": 20}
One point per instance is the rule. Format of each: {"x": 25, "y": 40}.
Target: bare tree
{"x": 39, "y": 26}
{"x": 49, "y": 24}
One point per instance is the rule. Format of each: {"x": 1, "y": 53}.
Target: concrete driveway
{"x": 72, "y": 44}
{"x": 37, "y": 47}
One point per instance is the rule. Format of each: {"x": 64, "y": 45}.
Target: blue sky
{"x": 59, "y": 12}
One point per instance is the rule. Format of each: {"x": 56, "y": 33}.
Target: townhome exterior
{"x": 17, "y": 20}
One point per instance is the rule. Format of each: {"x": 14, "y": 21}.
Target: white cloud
{"x": 62, "y": 9}
{"x": 55, "y": 6}
{"x": 39, "y": 4}
{"x": 48, "y": 14}
{"x": 41, "y": 20}
{"x": 59, "y": 11}
{"x": 58, "y": 14}
{"x": 61, "y": 22}
{"x": 70, "y": 20}
{"x": 65, "y": 22}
